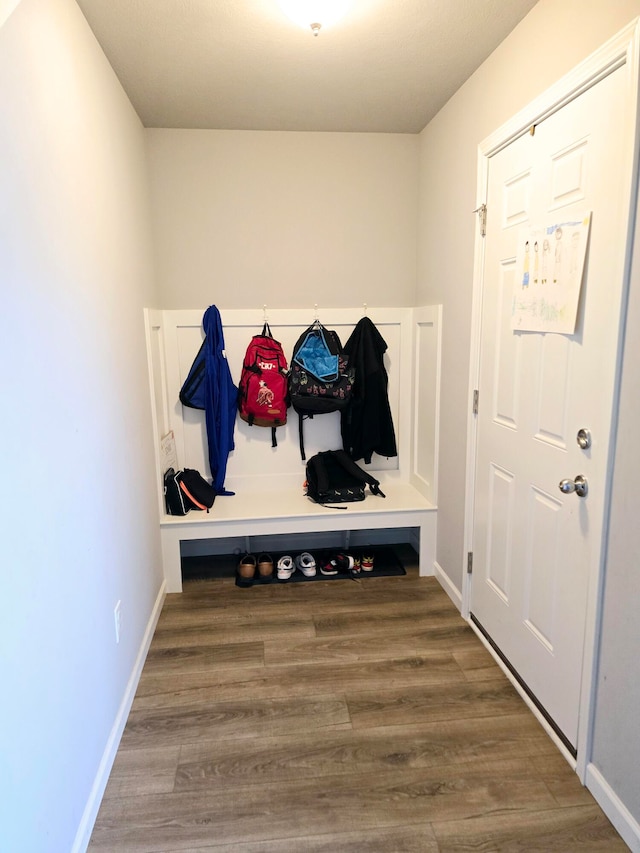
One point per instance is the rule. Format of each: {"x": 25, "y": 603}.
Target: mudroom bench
{"x": 274, "y": 509}
{"x": 268, "y": 482}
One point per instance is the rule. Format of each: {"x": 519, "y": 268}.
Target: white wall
{"x": 244, "y": 218}
{"x": 78, "y": 516}
{"x": 552, "y": 39}
{"x": 616, "y": 750}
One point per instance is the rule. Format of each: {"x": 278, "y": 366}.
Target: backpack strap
{"x": 301, "y": 418}
{"x": 356, "y": 471}
{"x": 301, "y": 437}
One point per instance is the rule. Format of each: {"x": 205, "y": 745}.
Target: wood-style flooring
{"x": 335, "y": 716}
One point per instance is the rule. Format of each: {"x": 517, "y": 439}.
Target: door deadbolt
{"x": 583, "y": 438}
{"x": 579, "y": 486}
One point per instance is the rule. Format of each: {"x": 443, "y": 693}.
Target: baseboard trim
{"x": 445, "y": 582}
{"x": 614, "y": 808}
{"x": 524, "y": 695}
{"x": 83, "y": 835}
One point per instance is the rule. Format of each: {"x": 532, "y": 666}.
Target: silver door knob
{"x": 579, "y": 486}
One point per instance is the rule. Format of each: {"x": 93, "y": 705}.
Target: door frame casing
{"x": 620, "y": 51}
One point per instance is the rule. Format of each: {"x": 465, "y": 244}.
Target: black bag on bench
{"x": 187, "y": 490}
{"x": 332, "y": 477}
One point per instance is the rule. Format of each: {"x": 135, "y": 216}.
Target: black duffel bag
{"x": 186, "y": 490}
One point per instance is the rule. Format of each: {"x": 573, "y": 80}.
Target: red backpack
{"x": 263, "y": 395}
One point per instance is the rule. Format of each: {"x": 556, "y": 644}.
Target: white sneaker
{"x": 285, "y": 568}
{"x": 306, "y": 564}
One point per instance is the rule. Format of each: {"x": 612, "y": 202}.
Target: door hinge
{"x": 469, "y": 562}
{"x": 482, "y": 216}
{"x": 476, "y": 397}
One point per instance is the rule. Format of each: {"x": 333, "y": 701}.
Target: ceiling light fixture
{"x": 314, "y": 13}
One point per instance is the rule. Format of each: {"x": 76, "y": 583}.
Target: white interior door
{"x": 535, "y": 547}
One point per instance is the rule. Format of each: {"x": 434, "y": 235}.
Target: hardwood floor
{"x": 338, "y": 716}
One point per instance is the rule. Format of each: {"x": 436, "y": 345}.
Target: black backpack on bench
{"x": 332, "y": 477}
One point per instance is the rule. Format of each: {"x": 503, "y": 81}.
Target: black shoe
{"x": 345, "y": 563}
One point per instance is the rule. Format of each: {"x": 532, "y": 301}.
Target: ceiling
{"x": 388, "y": 66}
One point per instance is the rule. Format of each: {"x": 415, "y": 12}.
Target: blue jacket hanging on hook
{"x": 209, "y": 386}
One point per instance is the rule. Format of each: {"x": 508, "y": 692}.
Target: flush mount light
{"x": 314, "y": 14}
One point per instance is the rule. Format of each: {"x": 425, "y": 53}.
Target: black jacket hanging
{"x": 367, "y": 425}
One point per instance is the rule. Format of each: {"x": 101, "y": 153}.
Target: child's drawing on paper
{"x": 549, "y": 302}
{"x": 575, "y": 248}
{"x": 546, "y": 251}
{"x": 558, "y": 255}
{"x": 525, "y": 275}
